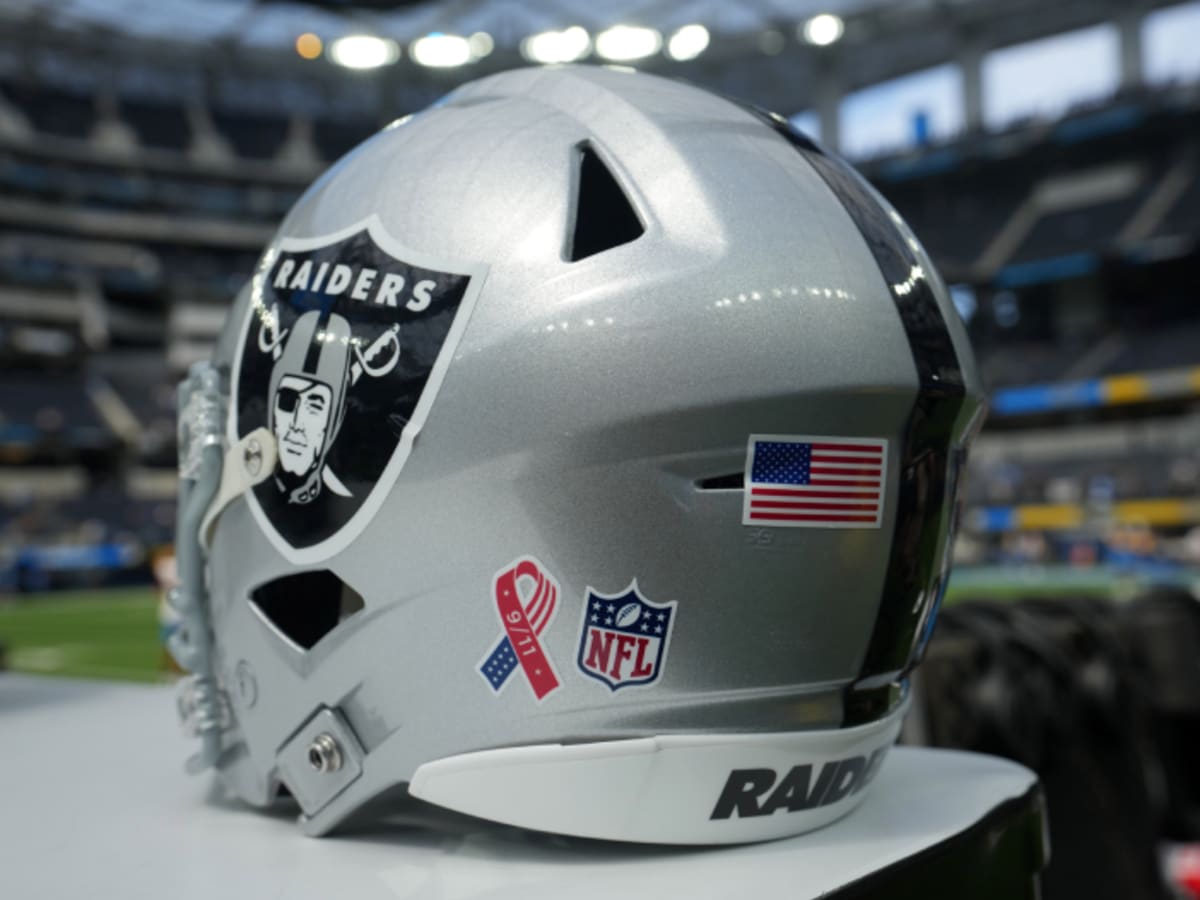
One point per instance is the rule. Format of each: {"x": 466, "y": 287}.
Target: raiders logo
{"x": 345, "y": 343}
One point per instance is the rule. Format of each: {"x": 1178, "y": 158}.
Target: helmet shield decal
{"x": 344, "y": 345}
{"x": 624, "y": 639}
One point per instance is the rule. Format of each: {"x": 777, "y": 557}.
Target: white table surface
{"x": 94, "y": 805}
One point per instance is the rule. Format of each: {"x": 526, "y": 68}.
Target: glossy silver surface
{"x": 584, "y": 403}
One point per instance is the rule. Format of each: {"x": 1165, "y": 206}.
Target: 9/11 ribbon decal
{"x": 523, "y": 616}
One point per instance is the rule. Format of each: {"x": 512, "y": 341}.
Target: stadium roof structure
{"x": 756, "y": 48}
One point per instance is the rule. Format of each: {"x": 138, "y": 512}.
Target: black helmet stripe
{"x": 312, "y": 358}
{"x": 930, "y": 452}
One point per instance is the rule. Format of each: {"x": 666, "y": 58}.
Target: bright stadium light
{"x": 441, "y": 51}
{"x": 363, "y": 51}
{"x": 688, "y": 42}
{"x": 625, "y": 43}
{"x": 481, "y": 44}
{"x": 563, "y": 46}
{"x": 824, "y": 29}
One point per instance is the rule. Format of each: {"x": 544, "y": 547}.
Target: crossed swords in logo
{"x": 271, "y": 337}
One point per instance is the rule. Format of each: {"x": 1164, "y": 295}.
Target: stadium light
{"x": 363, "y": 51}
{"x": 824, "y": 29}
{"x": 625, "y": 43}
{"x": 441, "y": 51}
{"x": 309, "y": 46}
{"x": 481, "y": 44}
{"x": 563, "y": 46}
{"x": 688, "y": 42}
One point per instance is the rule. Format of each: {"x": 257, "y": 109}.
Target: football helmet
{"x": 582, "y": 455}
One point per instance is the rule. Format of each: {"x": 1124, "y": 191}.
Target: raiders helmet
{"x": 582, "y": 455}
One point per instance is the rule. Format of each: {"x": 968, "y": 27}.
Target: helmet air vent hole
{"x": 733, "y": 482}
{"x": 307, "y": 606}
{"x": 604, "y": 217}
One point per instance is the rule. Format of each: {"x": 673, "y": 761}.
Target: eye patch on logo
{"x": 286, "y": 399}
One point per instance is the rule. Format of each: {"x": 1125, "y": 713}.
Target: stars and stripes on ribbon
{"x": 524, "y": 615}
{"x": 812, "y": 481}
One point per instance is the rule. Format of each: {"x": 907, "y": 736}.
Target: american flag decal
{"x": 807, "y": 481}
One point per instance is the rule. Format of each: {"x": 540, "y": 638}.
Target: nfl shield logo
{"x": 624, "y": 638}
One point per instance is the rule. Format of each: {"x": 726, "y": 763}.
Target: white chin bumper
{"x": 671, "y": 789}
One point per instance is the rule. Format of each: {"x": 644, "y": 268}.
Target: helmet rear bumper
{"x": 673, "y": 789}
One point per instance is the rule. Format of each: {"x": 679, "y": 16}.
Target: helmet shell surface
{"x": 595, "y": 333}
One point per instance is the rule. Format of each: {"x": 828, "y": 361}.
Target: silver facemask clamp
{"x": 209, "y": 479}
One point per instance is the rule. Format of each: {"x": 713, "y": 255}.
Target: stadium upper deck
{"x": 128, "y": 219}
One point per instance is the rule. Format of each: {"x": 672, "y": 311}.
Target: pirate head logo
{"x": 307, "y": 401}
{"x": 345, "y": 343}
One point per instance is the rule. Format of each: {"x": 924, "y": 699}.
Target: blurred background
{"x": 1047, "y": 153}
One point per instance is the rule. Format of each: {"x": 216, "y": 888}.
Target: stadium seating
{"x": 143, "y": 245}
{"x": 335, "y": 138}
{"x": 965, "y": 210}
{"x": 1158, "y": 349}
{"x": 53, "y": 111}
{"x": 57, "y": 408}
{"x": 1083, "y": 229}
{"x": 253, "y": 136}
{"x": 1183, "y": 218}
{"x": 157, "y": 125}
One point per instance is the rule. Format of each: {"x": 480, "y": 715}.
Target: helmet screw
{"x": 252, "y": 457}
{"x": 325, "y": 754}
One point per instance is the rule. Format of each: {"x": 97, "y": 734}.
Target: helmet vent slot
{"x": 733, "y": 482}
{"x": 306, "y": 606}
{"x": 604, "y": 217}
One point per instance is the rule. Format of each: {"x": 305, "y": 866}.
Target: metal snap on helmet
{"x": 582, "y": 455}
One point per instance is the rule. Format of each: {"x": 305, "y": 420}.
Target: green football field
{"x": 109, "y": 634}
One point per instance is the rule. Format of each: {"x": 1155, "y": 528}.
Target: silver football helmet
{"x": 582, "y": 455}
